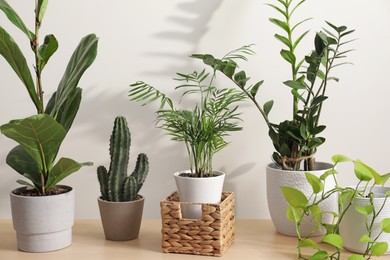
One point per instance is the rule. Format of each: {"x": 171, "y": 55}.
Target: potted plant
{"x": 361, "y": 225}
{"x": 202, "y": 129}
{"x": 42, "y": 210}
{"x": 296, "y": 139}
{"x": 120, "y": 204}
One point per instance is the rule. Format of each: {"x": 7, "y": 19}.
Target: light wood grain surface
{"x": 255, "y": 239}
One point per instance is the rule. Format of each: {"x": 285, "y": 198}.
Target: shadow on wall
{"x": 191, "y": 24}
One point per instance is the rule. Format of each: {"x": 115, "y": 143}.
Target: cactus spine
{"x": 115, "y": 185}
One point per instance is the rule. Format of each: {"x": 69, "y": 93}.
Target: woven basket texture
{"x": 211, "y": 236}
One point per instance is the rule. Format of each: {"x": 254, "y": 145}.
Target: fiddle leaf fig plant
{"x": 40, "y": 136}
{"x": 295, "y": 139}
{"x": 301, "y": 206}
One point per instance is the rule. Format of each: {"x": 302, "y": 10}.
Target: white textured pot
{"x": 198, "y": 190}
{"x": 43, "y": 223}
{"x": 353, "y": 226}
{"x": 278, "y": 205}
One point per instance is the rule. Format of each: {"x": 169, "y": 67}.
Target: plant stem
{"x": 35, "y": 46}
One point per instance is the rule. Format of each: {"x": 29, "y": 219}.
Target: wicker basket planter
{"x": 212, "y": 235}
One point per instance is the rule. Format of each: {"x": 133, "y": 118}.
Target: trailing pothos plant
{"x": 40, "y": 136}
{"x": 301, "y": 206}
{"x": 295, "y": 140}
{"x": 202, "y": 128}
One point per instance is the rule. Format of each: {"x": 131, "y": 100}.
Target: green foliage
{"x": 203, "y": 128}
{"x": 301, "y": 206}
{"x": 115, "y": 185}
{"x": 295, "y": 140}
{"x": 40, "y": 136}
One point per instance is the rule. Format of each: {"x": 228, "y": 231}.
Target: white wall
{"x": 151, "y": 40}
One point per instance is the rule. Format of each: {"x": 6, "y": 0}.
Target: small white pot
{"x": 353, "y": 226}
{"x": 278, "y": 205}
{"x": 198, "y": 190}
{"x": 43, "y": 223}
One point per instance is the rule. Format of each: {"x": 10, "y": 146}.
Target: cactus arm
{"x": 130, "y": 189}
{"x": 119, "y": 151}
{"x": 141, "y": 170}
{"x": 103, "y": 180}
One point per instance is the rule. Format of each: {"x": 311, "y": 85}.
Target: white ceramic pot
{"x": 352, "y": 227}
{"x": 43, "y": 223}
{"x": 121, "y": 221}
{"x": 198, "y": 190}
{"x": 278, "y": 205}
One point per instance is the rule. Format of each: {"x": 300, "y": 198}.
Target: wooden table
{"x": 255, "y": 239}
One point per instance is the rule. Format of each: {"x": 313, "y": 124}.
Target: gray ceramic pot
{"x": 43, "y": 223}
{"x": 121, "y": 220}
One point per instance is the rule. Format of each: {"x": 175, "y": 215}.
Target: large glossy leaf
{"x": 68, "y": 111}
{"x": 62, "y": 169}
{"x": 362, "y": 172}
{"x": 15, "y": 19}
{"x": 14, "y": 56}
{"x": 46, "y": 50}
{"x": 24, "y": 164}
{"x": 82, "y": 58}
{"x": 41, "y": 137}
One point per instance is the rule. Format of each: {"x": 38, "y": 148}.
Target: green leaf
{"x": 294, "y": 197}
{"x": 308, "y": 243}
{"x": 255, "y": 88}
{"x": 241, "y": 78}
{"x": 46, "y": 50}
{"x": 319, "y": 44}
{"x": 385, "y": 178}
{"x": 281, "y": 24}
{"x": 379, "y": 248}
{"x": 314, "y": 182}
{"x": 41, "y": 137}
{"x": 295, "y": 84}
{"x": 375, "y": 174}
{"x": 362, "y": 172}
{"x": 82, "y": 58}
{"x": 334, "y": 240}
{"x": 23, "y": 163}
{"x": 346, "y": 195}
{"x": 338, "y": 158}
{"x": 67, "y": 113}
{"x": 320, "y": 255}
{"x": 288, "y": 56}
{"x": 284, "y": 40}
{"x": 366, "y": 239}
{"x": 365, "y": 210}
{"x": 328, "y": 173}
{"x": 25, "y": 183}
{"x": 293, "y": 215}
{"x": 15, "y": 58}
{"x": 62, "y": 169}
{"x": 14, "y": 18}
{"x": 268, "y": 106}
{"x": 356, "y": 257}
{"x": 316, "y": 214}
{"x": 42, "y": 5}
{"x": 385, "y": 225}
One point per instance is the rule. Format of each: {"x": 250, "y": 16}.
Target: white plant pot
{"x": 278, "y": 205}
{"x": 353, "y": 226}
{"x": 198, "y": 190}
{"x": 43, "y": 223}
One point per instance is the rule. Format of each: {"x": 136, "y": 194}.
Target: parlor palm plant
{"x": 203, "y": 128}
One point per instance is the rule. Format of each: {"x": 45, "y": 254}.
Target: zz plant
{"x": 204, "y": 127}
{"x": 301, "y": 206}
{"x": 40, "y": 136}
{"x": 115, "y": 185}
{"x": 296, "y": 139}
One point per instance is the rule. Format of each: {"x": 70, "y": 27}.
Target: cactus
{"x": 115, "y": 185}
